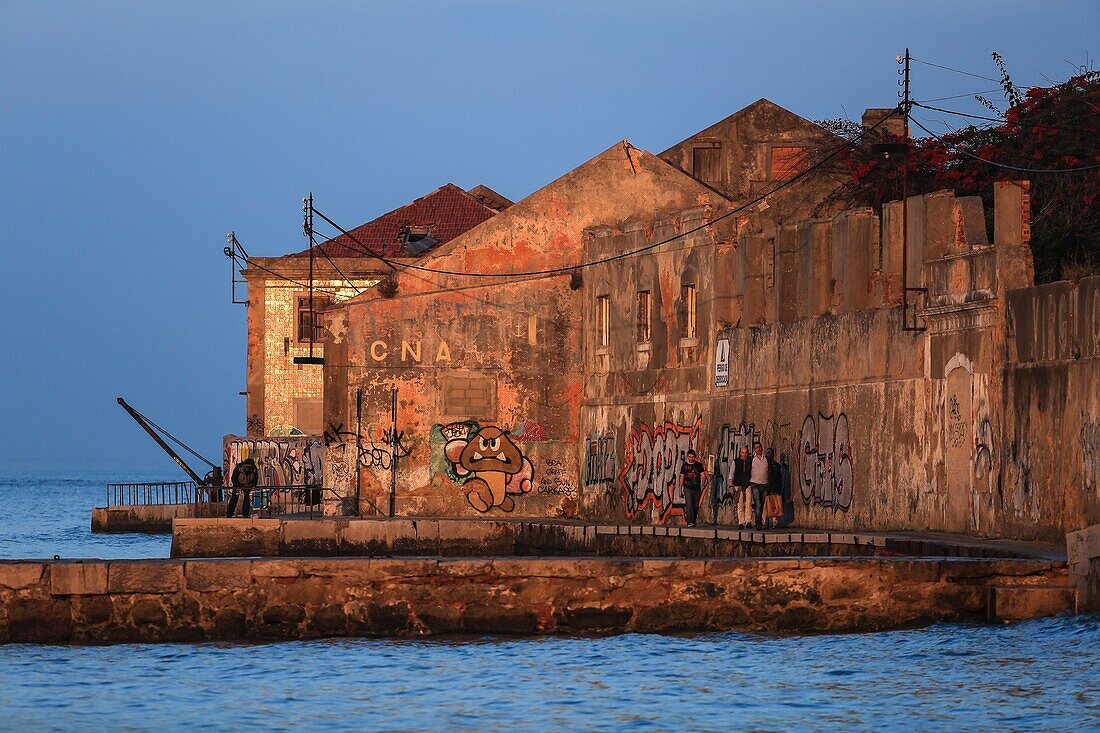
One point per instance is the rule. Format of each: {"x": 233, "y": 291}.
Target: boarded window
{"x": 688, "y": 311}
{"x": 307, "y": 319}
{"x": 470, "y": 397}
{"x": 645, "y": 311}
{"x": 603, "y": 321}
{"x": 706, "y": 163}
{"x": 787, "y": 162}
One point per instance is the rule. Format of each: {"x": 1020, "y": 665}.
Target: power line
{"x": 1052, "y": 125}
{"x": 1019, "y": 169}
{"x": 966, "y": 73}
{"x": 623, "y": 255}
{"x": 957, "y": 96}
{"x": 337, "y": 268}
{"x": 280, "y": 276}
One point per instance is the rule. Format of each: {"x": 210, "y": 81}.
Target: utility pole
{"x": 906, "y": 105}
{"x": 307, "y": 227}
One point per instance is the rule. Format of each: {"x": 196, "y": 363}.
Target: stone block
{"x": 20, "y": 575}
{"x": 214, "y": 575}
{"x": 275, "y": 568}
{"x": 1081, "y": 546}
{"x": 697, "y": 533}
{"x": 78, "y": 578}
{"x": 310, "y": 537}
{"x": 1023, "y": 602}
{"x": 226, "y": 537}
{"x": 815, "y": 537}
{"x": 842, "y": 539}
{"x": 135, "y": 576}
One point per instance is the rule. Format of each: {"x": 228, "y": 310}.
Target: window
{"x": 688, "y": 311}
{"x": 706, "y": 163}
{"x": 603, "y": 321}
{"x": 305, "y": 320}
{"x": 645, "y": 309}
{"x": 787, "y": 162}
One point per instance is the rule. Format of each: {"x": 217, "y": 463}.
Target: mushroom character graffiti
{"x": 486, "y": 461}
{"x": 493, "y": 459}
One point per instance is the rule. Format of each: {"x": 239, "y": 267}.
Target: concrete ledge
{"x": 454, "y": 537}
{"x": 180, "y": 600}
{"x": 151, "y": 518}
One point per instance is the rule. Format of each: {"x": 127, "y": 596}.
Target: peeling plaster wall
{"x": 882, "y": 427}
{"x": 1051, "y": 461}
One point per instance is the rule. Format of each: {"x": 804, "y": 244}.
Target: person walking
{"x": 760, "y": 476}
{"x": 773, "y": 496}
{"x": 244, "y": 478}
{"x": 739, "y": 488}
{"x": 692, "y": 475}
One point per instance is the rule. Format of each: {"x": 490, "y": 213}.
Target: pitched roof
{"x": 446, "y": 212}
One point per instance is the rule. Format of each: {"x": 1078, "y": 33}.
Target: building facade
{"x": 284, "y": 397}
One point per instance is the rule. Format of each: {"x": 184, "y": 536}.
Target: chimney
{"x": 895, "y": 125}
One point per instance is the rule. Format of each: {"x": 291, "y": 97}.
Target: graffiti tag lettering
{"x": 825, "y": 462}
{"x": 651, "y": 466}
{"x": 599, "y": 466}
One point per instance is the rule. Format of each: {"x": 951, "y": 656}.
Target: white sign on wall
{"x": 722, "y": 363}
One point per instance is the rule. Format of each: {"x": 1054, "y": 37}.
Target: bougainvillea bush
{"x": 1053, "y": 128}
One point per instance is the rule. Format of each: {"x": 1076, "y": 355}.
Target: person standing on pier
{"x": 692, "y": 475}
{"x": 762, "y": 474}
{"x": 739, "y": 488}
{"x": 244, "y": 478}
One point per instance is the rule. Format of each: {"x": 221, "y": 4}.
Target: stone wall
{"x": 173, "y": 600}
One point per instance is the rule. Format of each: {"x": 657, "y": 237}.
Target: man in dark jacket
{"x": 739, "y": 488}
{"x": 244, "y": 478}
{"x": 773, "y": 495}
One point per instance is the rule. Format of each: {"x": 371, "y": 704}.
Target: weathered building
{"x": 561, "y": 358}
{"x": 501, "y": 358}
{"x": 488, "y": 370}
{"x": 796, "y": 336}
{"x": 285, "y": 397}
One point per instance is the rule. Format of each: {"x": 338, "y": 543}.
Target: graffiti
{"x": 556, "y": 481}
{"x": 825, "y": 462}
{"x": 485, "y": 460}
{"x": 651, "y": 466}
{"x": 730, "y": 442}
{"x": 281, "y": 462}
{"x": 255, "y": 425}
{"x": 336, "y": 434}
{"x": 529, "y": 431}
{"x": 599, "y": 466}
{"x": 957, "y": 423}
{"x": 379, "y": 451}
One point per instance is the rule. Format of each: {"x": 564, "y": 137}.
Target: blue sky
{"x": 134, "y": 135}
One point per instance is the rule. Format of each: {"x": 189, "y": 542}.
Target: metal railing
{"x": 153, "y": 492}
{"x": 273, "y": 501}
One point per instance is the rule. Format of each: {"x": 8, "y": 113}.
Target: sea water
{"x": 1037, "y": 675}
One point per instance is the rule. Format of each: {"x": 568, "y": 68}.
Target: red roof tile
{"x": 448, "y": 211}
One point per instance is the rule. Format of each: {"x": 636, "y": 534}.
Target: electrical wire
{"x": 958, "y": 96}
{"x": 337, "y": 268}
{"x": 1052, "y": 125}
{"x": 966, "y": 73}
{"x": 280, "y": 276}
{"x": 653, "y": 245}
{"x": 1019, "y": 169}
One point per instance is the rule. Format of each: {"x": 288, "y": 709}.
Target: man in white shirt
{"x": 759, "y": 478}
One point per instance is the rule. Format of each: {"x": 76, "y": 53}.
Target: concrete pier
{"x": 277, "y": 598}
{"x": 150, "y": 518}
{"x": 456, "y": 537}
